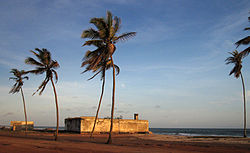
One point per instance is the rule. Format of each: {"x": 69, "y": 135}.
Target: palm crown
{"x": 18, "y": 78}
{"x": 44, "y": 64}
{"x": 235, "y": 59}
{"x": 100, "y": 67}
{"x": 105, "y": 36}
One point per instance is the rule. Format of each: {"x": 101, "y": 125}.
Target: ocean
{"x": 185, "y": 131}
{"x": 198, "y": 131}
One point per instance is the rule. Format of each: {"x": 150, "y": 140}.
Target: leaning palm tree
{"x": 236, "y": 59}
{"x": 47, "y": 65}
{"x": 100, "y": 68}
{"x": 105, "y": 38}
{"x": 244, "y": 41}
{"x": 18, "y": 78}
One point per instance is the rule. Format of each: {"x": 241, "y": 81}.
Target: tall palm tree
{"x": 244, "y": 41}
{"x": 18, "y": 78}
{"x": 105, "y": 38}
{"x": 47, "y": 65}
{"x": 100, "y": 68}
{"x": 236, "y": 59}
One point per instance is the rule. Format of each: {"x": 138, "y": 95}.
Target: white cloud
{"x": 123, "y": 85}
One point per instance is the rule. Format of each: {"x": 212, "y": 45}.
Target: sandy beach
{"x": 17, "y": 142}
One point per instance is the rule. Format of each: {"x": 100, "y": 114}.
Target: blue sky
{"x": 172, "y": 73}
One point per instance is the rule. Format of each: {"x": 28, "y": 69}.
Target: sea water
{"x": 184, "y": 131}
{"x": 198, "y": 131}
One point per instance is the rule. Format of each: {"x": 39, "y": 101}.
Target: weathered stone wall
{"x": 103, "y": 125}
{"x": 20, "y": 125}
{"x": 72, "y": 124}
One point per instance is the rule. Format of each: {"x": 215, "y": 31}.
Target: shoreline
{"x": 35, "y": 141}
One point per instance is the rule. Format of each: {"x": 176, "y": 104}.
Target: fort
{"x": 85, "y": 125}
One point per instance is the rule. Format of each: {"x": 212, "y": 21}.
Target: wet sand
{"x": 38, "y": 142}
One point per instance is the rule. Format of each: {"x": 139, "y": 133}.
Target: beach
{"x": 35, "y": 141}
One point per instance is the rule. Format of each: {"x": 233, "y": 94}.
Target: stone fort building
{"x": 85, "y": 125}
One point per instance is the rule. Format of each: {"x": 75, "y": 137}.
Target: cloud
{"x": 154, "y": 33}
{"x": 123, "y": 85}
{"x": 68, "y": 109}
{"x": 157, "y": 106}
{"x": 10, "y": 59}
{"x": 8, "y": 114}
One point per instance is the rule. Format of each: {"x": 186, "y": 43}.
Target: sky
{"x": 173, "y": 72}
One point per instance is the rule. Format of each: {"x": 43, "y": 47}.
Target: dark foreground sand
{"x": 42, "y": 142}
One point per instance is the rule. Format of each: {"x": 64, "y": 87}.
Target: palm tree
{"x": 45, "y": 64}
{"x": 236, "y": 59}
{"x": 100, "y": 68}
{"x": 17, "y": 87}
{"x": 244, "y": 41}
{"x": 105, "y": 38}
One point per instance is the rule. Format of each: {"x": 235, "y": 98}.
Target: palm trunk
{"x": 100, "y": 101}
{"x": 25, "y": 114}
{"x": 113, "y": 103}
{"x": 57, "y": 111}
{"x": 245, "y": 113}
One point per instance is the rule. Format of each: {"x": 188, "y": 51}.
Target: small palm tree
{"x": 244, "y": 41}
{"x": 236, "y": 59}
{"x": 47, "y": 65}
{"x": 105, "y": 38}
{"x": 100, "y": 68}
{"x": 18, "y": 78}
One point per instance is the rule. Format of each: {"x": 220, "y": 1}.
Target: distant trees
{"x": 46, "y": 65}
{"x": 18, "y": 78}
{"x": 104, "y": 39}
{"x": 236, "y": 59}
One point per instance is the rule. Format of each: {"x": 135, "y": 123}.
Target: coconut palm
{"x": 100, "y": 68}
{"x": 18, "y": 78}
{"x": 105, "y": 38}
{"x": 244, "y": 41}
{"x": 47, "y": 65}
{"x": 236, "y": 59}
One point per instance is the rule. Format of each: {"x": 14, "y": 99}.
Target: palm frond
{"x": 38, "y": 70}
{"x": 13, "y": 89}
{"x": 117, "y": 23}
{"x": 97, "y": 43}
{"x": 117, "y": 69}
{"x": 124, "y": 36}
{"x": 42, "y": 86}
{"x": 245, "y": 52}
{"x": 12, "y": 78}
{"x": 109, "y": 19}
{"x": 55, "y": 64}
{"x": 99, "y": 23}
{"x": 90, "y": 33}
{"x": 248, "y": 28}
{"x": 27, "y": 78}
{"x": 244, "y": 41}
{"x": 32, "y": 61}
{"x": 95, "y": 75}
